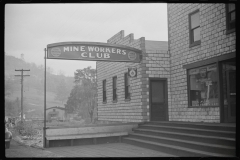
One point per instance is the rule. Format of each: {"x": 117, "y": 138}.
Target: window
{"x": 203, "y": 84}
{"x": 230, "y": 17}
{"x": 104, "y": 91}
{"x": 194, "y": 29}
{"x": 127, "y": 86}
{"x": 114, "y": 88}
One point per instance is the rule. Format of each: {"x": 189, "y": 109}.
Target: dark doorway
{"x": 229, "y": 90}
{"x": 158, "y": 99}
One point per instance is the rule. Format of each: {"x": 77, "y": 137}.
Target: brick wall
{"x": 214, "y": 42}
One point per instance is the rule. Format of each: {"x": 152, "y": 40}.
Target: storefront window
{"x": 203, "y": 86}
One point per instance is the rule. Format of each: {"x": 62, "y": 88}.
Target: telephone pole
{"x": 22, "y": 90}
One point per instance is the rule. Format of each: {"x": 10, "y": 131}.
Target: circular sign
{"x": 56, "y": 52}
{"x": 132, "y": 73}
{"x": 132, "y": 55}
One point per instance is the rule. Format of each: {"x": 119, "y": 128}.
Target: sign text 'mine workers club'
{"x": 93, "y": 52}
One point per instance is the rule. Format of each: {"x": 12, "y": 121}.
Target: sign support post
{"x": 44, "y": 126}
{"x": 89, "y": 51}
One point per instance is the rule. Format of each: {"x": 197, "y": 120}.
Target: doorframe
{"x": 166, "y": 96}
{"x": 221, "y": 91}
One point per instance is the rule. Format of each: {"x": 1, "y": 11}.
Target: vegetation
{"x": 83, "y": 95}
{"x": 58, "y": 87}
{"x": 26, "y": 128}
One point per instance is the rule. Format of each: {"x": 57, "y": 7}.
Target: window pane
{"x": 195, "y": 20}
{"x": 196, "y": 34}
{"x": 232, "y": 17}
{"x": 231, "y": 7}
{"x": 204, "y": 86}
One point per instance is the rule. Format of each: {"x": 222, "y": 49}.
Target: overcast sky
{"x": 29, "y": 28}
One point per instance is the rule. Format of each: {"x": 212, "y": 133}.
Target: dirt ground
{"x": 19, "y": 150}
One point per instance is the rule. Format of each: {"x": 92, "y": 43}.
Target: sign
{"x": 93, "y": 51}
{"x": 203, "y": 72}
{"x": 212, "y": 67}
{"x": 132, "y": 72}
{"x": 193, "y": 71}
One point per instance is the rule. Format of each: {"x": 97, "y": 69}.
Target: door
{"x": 229, "y": 90}
{"x": 158, "y": 100}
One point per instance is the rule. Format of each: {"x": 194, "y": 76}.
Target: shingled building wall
{"x": 214, "y": 42}
{"x": 137, "y": 108}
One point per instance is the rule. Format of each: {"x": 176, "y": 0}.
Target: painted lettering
{"x": 108, "y": 50}
{"x": 90, "y": 48}
{"x": 97, "y": 49}
{"x": 84, "y": 54}
{"x": 90, "y": 55}
{"x": 99, "y": 55}
{"x": 82, "y": 48}
{"x": 124, "y": 52}
{"x": 113, "y": 50}
{"x": 75, "y": 48}
{"x": 65, "y": 49}
{"x": 102, "y": 49}
{"x": 106, "y": 55}
{"x": 118, "y": 51}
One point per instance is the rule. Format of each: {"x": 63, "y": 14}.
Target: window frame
{"x": 228, "y": 30}
{"x": 127, "y": 86}
{"x": 191, "y": 42}
{"x": 189, "y": 88}
{"x": 114, "y": 87}
{"x": 104, "y": 91}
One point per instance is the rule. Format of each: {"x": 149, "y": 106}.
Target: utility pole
{"x": 22, "y": 90}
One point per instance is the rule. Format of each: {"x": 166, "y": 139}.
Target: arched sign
{"x": 93, "y": 51}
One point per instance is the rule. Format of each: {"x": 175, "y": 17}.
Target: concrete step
{"x": 190, "y": 137}
{"x": 208, "y": 147}
{"x": 208, "y": 126}
{"x": 218, "y": 133}
{"x": 171, "y": 149}
{"x": 186, "y": 136}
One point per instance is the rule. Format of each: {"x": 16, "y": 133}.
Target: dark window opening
{"x": 114, "y": 88}
{"x": 127, "y": 86}
{"x": 104, "y": 91}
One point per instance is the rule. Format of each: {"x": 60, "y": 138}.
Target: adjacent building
{"x": 191, "y": 78}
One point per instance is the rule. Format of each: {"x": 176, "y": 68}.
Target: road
{"x": 19, "y": 150}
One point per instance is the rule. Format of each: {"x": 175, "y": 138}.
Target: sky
{"x": 29, "y": 28}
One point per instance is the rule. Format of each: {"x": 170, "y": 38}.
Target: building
{"x": 190, "y": 78}
{"x": 202, "y": 45}
{"x": 55, "y": 113}
{"x": 125, "y": 99}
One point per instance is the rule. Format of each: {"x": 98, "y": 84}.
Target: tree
{"x": 61, "y": 91}
{"x": 83, "y": 95}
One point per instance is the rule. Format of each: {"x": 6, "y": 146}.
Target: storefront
{"x": 212, "y": 83}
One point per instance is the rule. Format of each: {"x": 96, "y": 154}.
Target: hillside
{"x": 34, "y": 86}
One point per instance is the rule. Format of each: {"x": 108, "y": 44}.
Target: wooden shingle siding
{"x": 214, "y": 42}
{"x": 135, "y": 109}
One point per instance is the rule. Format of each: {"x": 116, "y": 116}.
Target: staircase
{"x": 185, "y": 139}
